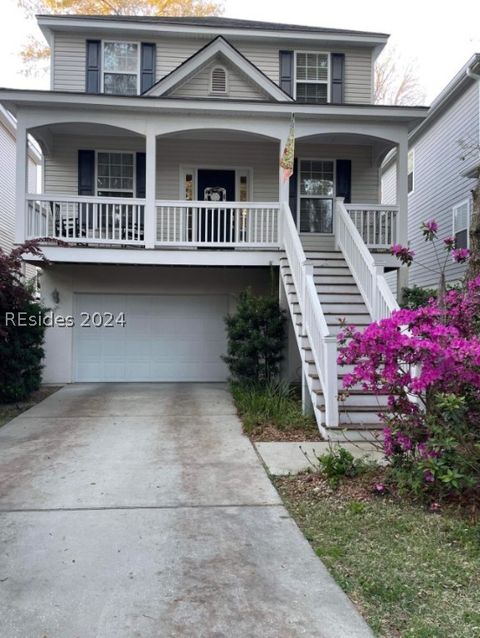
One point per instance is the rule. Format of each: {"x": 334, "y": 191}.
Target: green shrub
{"x": 273, "y": 403}
{"x": 338, "y": 463}
{"x": 415, "y": 297}
{"x": 256, "y": 337}
{"x": 21, "y": 346}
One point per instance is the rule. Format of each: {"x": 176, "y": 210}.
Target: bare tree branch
{"x": 396, "y": 81}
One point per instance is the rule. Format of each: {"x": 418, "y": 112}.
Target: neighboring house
{"x": 162, "y": 140}
{"x": 8, "y": 131}
{"x": 443, "y": 159}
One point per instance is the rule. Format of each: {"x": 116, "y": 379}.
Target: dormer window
{"x": 218, "y": 81}
{"x": 120, "y": 68}
{"x": 312, "y": 77}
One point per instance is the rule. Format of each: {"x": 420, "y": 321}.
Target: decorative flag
{"x": 286, "y": 160}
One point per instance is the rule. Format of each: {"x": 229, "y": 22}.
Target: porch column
{"x": 150, "y": 191}
{"x": 402, "y": 203}
{"x": 402, "y": 190}
{"x": 21, "y": 182}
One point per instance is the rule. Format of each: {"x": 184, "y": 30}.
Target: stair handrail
{"x": 369, "y": 277}
{"x": 322, "y": 342}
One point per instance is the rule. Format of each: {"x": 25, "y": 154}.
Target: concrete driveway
{"x": 140, "y": 510}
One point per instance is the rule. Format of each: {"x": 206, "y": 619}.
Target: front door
{"x": 216, "y": 224}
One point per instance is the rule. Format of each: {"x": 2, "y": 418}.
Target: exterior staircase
{"x": 344, "y": 297}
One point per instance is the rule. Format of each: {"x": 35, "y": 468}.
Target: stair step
{"x": 321, "y": 262}
{"x": 338, "y": 271}
{"x": 328, "y": 254}
{"x": 334, "y": 282}
{"x": 343, "y": 309}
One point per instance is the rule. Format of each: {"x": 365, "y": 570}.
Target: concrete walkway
{"x": 140, "y": 510}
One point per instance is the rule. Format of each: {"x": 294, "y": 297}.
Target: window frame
{"x": 224, "y": 69}
{"x": 116, "y": 190}
{"x": 411, "y": 153}
{"x": 300, "y": 196}
{"x": 138, "y": 72}
{"x": 327, "y": 81}
{"x": 455, "y": 207}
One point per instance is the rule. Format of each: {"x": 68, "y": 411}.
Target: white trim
{"x": 332, "y": 197}
{"x": 329, "y": 71}
{"x": 182, "y": 257}
{"x": 116, "y": 190}
{"x": 218, "y": 46}
{"x": 70, "y": 100}
{"x": 224, "y": 69}
{"x": 455, "y": 207}
{"x": 102, "y": 68}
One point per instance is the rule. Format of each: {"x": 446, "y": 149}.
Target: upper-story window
{"x": 121, "y": 68}
{"x": 312, "y": 72}
{"x": 218, "y": 81}
{"x": 411, "y": 170}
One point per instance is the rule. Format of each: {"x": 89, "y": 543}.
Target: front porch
{"x": 106, "y": 187}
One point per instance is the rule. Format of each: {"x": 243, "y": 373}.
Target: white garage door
{"x": 165, "y": 338}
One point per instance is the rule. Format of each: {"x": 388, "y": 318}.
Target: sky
{"x": 439, "y": 36}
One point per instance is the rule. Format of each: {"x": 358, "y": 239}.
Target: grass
{"x": 9, "y": 411}
{"x": 272, "y": 407}
{"x": 412, "y": 573}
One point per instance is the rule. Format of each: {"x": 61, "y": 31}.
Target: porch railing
{"x": 322, "y": 343}
{"x": 376, "y": 293}
{"x": 377, "y": 224}
{"x": 214, "y": 224}
{"x": 92, "y": 220}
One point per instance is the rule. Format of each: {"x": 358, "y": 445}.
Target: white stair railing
{"x": 369, "y": 278}
{"x": 322, "y": 343}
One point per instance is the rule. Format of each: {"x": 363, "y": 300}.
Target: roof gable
{"x": 239, "y": 85}
{"x": 245, "y": 72}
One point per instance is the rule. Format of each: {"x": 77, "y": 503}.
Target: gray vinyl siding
{"x": 239, "y": 87}
{"x": 61, "y": 175}
{"x": 68, "y": 62}
{"x": 7, "y": 186}
{"x": 438, "y": 183}
{"x": 61, "y": 170}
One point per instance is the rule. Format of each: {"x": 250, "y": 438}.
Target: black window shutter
{"x": 92, "y": 80}
{"x": 286, "y": 71}
{"x": 147, "y": 73}
{"x": 86, "y": 172}
{"x": 293, "y": 190}
{"x": 140, "y": 164}
{"x": 337, "y": 92}
{"x": 344, "y": 180}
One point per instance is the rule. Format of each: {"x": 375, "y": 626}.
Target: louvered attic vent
{"x": 218, "y": 80}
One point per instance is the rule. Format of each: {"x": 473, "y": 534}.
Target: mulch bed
{"x": 270, "y": 433}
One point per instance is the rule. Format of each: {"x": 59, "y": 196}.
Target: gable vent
{"x": 218, "y": 80}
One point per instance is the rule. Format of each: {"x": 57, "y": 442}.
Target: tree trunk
{"x": 473, "y": 269}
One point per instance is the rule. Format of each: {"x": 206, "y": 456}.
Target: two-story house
{"x": 443, "y": 163}
{"x": 162, "y": 139}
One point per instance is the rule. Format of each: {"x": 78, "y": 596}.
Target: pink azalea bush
{"x": 427, "y": 361}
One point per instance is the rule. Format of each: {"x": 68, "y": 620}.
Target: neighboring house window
{"x": 461, "y": 224}
{"x": 218, "y": 82}
{"x": 120, "y": 68}
{"x": 115, "y": 174}
{"x": 411, "y": 169}
{"x": 316, "y": 193}
{"x": 311, "y": 77}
